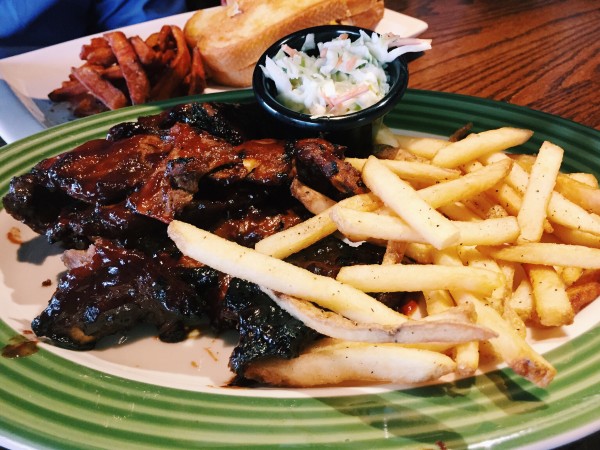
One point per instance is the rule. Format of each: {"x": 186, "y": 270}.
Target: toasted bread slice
{"x": 232, "y": 38}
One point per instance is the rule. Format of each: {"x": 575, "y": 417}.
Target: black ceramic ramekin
{"x": 354, "y": 130}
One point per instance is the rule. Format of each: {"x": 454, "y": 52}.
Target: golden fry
{"x": 455, "y": 325}
{"x": 304, "y": 234}
{"x": 551, "y": 300}
{"x": 521, "y": 300}
{"x": 313, "y": 201}
{"x": 424, "y": 147}
{"x": 413, "y": 277}
{"x": 406, "y": 202}
{"x": 466, "y": 186}
{"x": 588, "y": 197}
{"x": 549, "y": 254}
{"x": 537, "y": 195}
{"x": 411, "y": 170}
{"x": 478, "y": 145}
{"x": 330, "y": 361}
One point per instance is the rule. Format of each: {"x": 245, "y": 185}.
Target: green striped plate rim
{"x": 49, "y": 402}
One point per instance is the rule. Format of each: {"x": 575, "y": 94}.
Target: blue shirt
{"x": 30, "y": 24}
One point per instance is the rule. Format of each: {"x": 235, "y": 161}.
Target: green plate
{"x": 50, "y": 400}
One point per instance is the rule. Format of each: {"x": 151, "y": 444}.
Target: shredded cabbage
{"x": 346, "y": 76}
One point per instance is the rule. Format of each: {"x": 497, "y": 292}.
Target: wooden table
{"x": 543, "y": 54}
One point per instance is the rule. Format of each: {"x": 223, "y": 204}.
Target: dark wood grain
{"x": 543, "y": 54}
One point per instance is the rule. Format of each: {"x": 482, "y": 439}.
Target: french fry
{"x": 406, "y": 202}
{"x": 385, "y": 136}
{"x": 332, "y": 362}
{"x": 521, "y": 300}
{"x": 411, "y": 278}
{"x": 394, "y": 252}
{"x": 524, "y": 160}
{"x": 411, "y": 170}
{"x": 485, "y": 207}
{"x": 552, "y": 303}
{"x": 568, "y": 184}
{"x": 503, "y": 229}
{"x": 508, "y": 201}
{"x": 576, "y": 237}
{"x": 425, "y": 147}
{"x": 466, "y": 186}
{"x": 514, "y": 320}
{"x": 437, "y": 301}
{"x": 272, "y": 273}
{"x": 560, "y": 209}
{"x": 473, "y": 258}
{"x": 589, "y": 179}
{"x": 421, "y": 253}
{"x": 507, "y": 197}
{"x": 466, "y": 357}
{"x": 453, "y": 325}
{"x": 539, "y": 189}
{"x": 360, "y": 225}
{"x": 313, "y": 201}
{"x": 586, "y": 196}
{"x": 547, "y": 254}
{"x": 293, "y": 239}
{"x": 509, "y": 270}
{"x": 477, "y": 145}
{"x": 569, "y": 275}
{"x": 459, "y": 212}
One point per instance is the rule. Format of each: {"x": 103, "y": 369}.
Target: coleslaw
{"x": 345, "y": 77}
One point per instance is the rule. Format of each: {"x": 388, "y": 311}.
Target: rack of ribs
{"x": 223, "y": 167}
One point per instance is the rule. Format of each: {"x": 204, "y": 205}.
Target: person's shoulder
{"x": 111, "y": 14}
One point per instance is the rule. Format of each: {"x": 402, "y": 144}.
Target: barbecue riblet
{"x": 200, "y": 163}
{"x": 113, "y": 289}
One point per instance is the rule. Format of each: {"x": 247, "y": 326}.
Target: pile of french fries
{"x": 493, "y": 242}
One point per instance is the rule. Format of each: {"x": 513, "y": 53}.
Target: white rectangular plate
{"x": 26, "y": 79}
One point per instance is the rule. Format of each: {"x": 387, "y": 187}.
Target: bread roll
{"x": 231, "y": 38}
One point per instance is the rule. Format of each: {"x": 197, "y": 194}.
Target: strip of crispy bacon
{"x": 158, "y": 41}
{"x": 112, "y": 73}
{"x": 196, "y": 79}
{"x": 177, "y": 70}
{"x": 133, "y": 72}
{"x": 144, "y": 52}
{"x": 100, "y": 55}
{"x": 100, "y": 88}
{"x": 68, "y": 89}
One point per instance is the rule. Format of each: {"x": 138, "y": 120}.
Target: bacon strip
{"x": 103, "y": 90}
{"x": 177, "y": 70}
{"x": 144, "y": 52}
{"x": 68, "y": 89}
{"x": 133, "y": 72}
{"x": 197, "y": 77}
